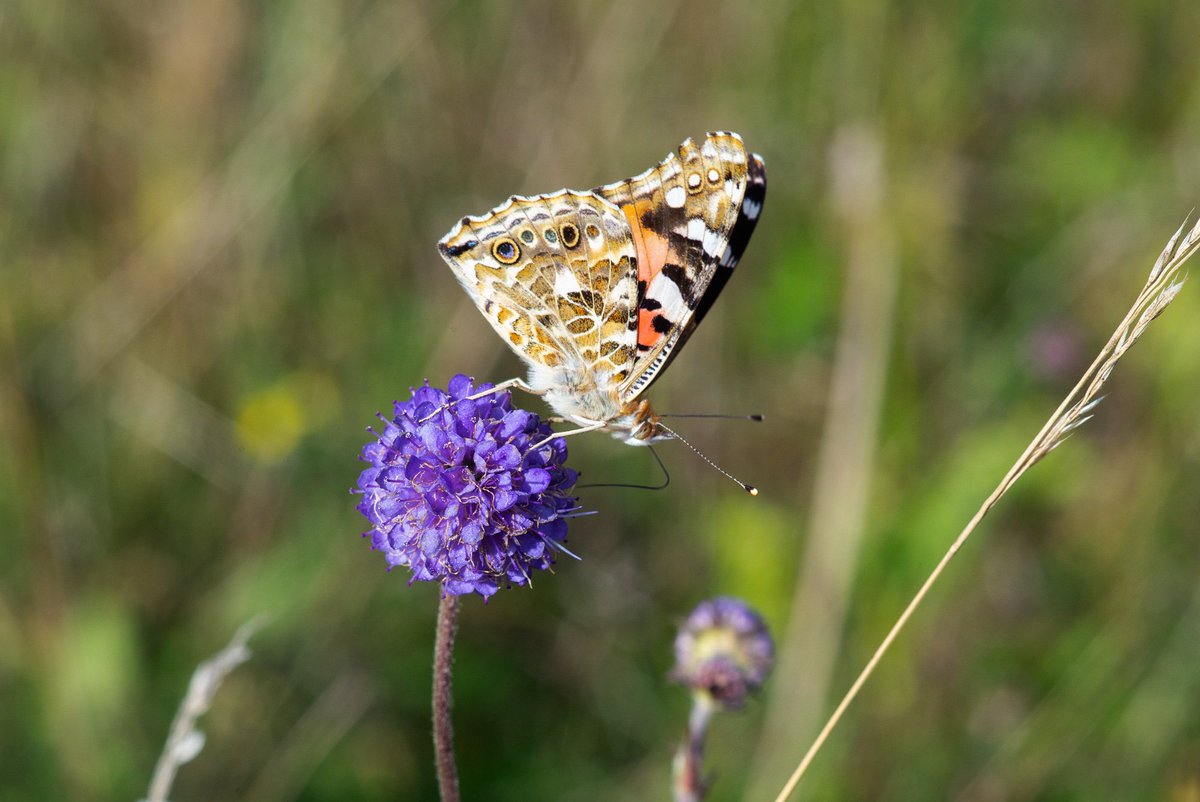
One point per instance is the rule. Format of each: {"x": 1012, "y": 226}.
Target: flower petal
{"x": 507, "y": 457}
{"x": 514, "y": 423}
{"x": 459, "y": 387}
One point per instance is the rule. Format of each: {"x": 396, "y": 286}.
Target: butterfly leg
{"x": 504, "y": 385}
{"x": 589, "y": 428}
{"x": 499, "y": 388}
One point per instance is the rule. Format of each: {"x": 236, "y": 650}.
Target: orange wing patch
{"x": 652, "y": 249}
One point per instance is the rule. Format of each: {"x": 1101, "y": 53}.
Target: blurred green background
{"x": 217, "y": 223}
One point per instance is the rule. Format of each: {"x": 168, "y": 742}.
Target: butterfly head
{"x": 640, "y": 425}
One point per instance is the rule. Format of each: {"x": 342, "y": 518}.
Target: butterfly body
{"x": 596, "y": 291}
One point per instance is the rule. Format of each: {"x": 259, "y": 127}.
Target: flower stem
{"x": 689, "y": 782}
{"x": 443, "y": 729}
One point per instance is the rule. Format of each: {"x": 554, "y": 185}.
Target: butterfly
{"x": 598, "y": 290}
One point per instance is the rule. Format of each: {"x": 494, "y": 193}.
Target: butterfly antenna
{"x": 755, "y": 417}
{"x": 666, "y": 478}
{"x": 751, "y": 489}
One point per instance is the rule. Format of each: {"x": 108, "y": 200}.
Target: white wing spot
{"x": 565, "y": 282}
{"x": 713, "y": 175}
{"x": 712, "y": 241}
{"x": 696, "y": 229}
{"x": 676, "y": 197}
{"x": 666, "y": 292}
{"x": 751, "y": 209}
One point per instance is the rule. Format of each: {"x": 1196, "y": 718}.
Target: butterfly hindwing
{"x": 555, "y": 277}
{"x": 690, "y": 218}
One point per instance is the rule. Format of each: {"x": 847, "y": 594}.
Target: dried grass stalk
{"x": 1161, "y": 288}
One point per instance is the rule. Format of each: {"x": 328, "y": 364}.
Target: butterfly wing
{"x": 555, "y": 276}
{"x": 690, "y": 218}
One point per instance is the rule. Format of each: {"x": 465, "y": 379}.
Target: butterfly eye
{"x": 569, "y": 234}
{"x": 506, "y": 251}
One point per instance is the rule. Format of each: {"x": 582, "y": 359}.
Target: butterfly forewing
{"x": 743, "y": 226}
{"x": 683, "y": 214}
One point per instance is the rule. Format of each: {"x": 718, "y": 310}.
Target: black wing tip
{"x": 756, "y": 171}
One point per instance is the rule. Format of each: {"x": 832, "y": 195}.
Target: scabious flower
{"x": 723, "y": 650}
{"x": 466, "y": 492}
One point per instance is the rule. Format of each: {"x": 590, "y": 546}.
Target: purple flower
{"x": 464, "y": 492}
{"x": 724, "y": 651}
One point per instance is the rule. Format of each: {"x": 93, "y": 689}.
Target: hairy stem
{"x": 443, "y": 728}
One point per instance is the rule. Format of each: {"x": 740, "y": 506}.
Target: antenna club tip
{"x": 752, "y": 490}
{"x": 757, "y": 418}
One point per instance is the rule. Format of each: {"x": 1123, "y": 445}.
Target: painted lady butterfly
{"x": 597, "y": 291}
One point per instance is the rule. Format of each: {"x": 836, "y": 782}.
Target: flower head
{"x": 723, "y": 650}
{"x": 466, "y": 492}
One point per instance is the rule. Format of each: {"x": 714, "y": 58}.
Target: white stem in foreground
{"x": 185, "y": 741}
